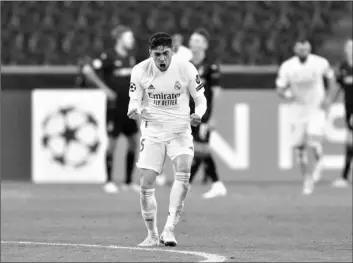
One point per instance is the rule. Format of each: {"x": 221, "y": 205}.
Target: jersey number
{"x": 142, "y": 146}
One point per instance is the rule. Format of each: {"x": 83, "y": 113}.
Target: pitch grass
{"x": 255, "y": 222}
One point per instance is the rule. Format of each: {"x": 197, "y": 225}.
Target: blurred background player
{"x": 301, "y": 81}
{"x": 181, "y": 51}
{"x": 210, "y": 76}
{"x": 345, "y": 80}
{"x": 111, "y": 73}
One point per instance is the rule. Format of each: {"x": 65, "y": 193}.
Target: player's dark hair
{"x": 160, "y": 39}
{"x": 119, "y": 30}
{"x": 303, "y": 39}
{"x": 203, "y": 32}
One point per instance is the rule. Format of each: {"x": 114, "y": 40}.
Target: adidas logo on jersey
{"x": 151, "y": 87}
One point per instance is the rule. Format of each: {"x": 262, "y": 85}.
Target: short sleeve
{"x": 328, "y": 72}
{"x": 282, "y": 80}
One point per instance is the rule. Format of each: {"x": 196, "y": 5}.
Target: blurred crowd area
{"x": 58, "y": 33}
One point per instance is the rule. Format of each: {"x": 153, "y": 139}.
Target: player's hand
{"x": 195, "y": 120}
{"x": 203, "y": 130}
{"x": 133, "y": 114}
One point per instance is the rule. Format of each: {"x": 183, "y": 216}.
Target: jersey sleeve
{"x": 328, "y": 72}
{"x": 195, "y": 86}
{"x": 282, "y": 80}
{"x": 215, "y": 75}
{"x": 136, "y": 90}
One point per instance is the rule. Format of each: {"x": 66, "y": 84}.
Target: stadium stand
{"x": 249, "y": 33}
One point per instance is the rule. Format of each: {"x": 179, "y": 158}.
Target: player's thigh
{"x": 129, "y": 127}
{"x": 298, "y": 133}
{"x": 181, "y": 151}
{"x": 152, "y": 155}
{"x": 316, "y": 127}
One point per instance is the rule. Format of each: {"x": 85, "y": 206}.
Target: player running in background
{"x": 160, "y": 91}
{"x": 210, "y": 76}
{"x": 111, "y": 73}
{"x": 181, "y": 51}
{"x": 301, "y": 82}
{"x": 345, "y": 80}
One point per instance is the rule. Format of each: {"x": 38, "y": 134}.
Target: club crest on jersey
{"x": 132, "y": 87}
{"x": 198, "y": 80}
{"x": 177, "y": 85}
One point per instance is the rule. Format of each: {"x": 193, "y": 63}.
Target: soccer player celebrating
{"x": 345, "y": 79}
{"x": 210, "y": 76}
{"x": 301, "y": 82}
{"x": 111, "y": 73}
{"x": 160, "y": 90}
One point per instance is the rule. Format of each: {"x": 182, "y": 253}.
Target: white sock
{"x": 177, "y": 197}
{"x": 149, "y": 210}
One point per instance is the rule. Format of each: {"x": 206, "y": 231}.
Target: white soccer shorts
{"x": 153, "y": 154}
{"x": 308, "y": 127}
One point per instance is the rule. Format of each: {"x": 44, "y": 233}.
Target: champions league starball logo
{"x": 70, "y": 137}
{"x": 132, "y": 87}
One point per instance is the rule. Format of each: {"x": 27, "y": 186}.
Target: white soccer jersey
{"x": 183, "y": 53}
{"x": 306, "y": 80}
{"x": 163, "y": 97}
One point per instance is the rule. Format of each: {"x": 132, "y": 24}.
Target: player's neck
{"x": 120, "y": 50}
{"x": 197, "y": 58}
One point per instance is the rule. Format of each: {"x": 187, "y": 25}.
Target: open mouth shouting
{"x": 163, "y": 66}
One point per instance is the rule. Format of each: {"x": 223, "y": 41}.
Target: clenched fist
{"x": 133, "y": 114}
{"x": 195, "y": 120}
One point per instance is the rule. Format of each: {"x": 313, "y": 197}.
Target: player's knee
{"x": 183, "y": 163}
{"x": 148, "y": 178}
{"x": 184, "y": 168}
{"x": 132, "y": 143}
{"x": 300, "y": 154}
{"x": 111, "y": 145}
{"x": 316, "y": 148}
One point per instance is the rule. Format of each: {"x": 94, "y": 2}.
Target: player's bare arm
{"x": 90, "y": 73}
{"x": 331, "y": 87}
{"x": 136, "y": 95}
